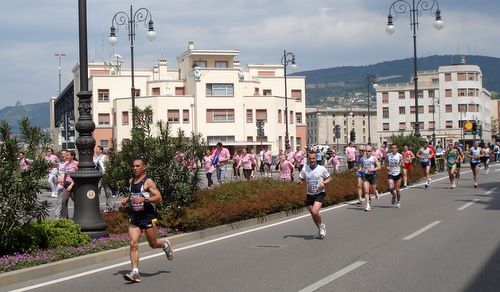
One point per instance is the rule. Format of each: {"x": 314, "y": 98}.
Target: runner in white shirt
{"x": 370, "y": 165}
{"x": 485, "y": 157}
{"x": 475, "y": 161}
{"x": 316, "y": 177}
{"x": 394, "y": 166}
{"x": 425, "y": 153}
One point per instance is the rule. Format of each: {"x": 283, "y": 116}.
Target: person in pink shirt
{"x": 299, "y": 159}
{"x": 220, "y": 157}
{"x": 24, "y": 163}
{"x": 236, "y": 162}
{"x": 247, "y": 161}
{"x": 65, "y": 184}
{"x": 350, "y": 151}
{"x": 334, "y": 161}
{"x": 285, "y": 168}
{"x": 268, "y": 159}
{"x": 208, "y": 167}
{"x": 53, "y": 163}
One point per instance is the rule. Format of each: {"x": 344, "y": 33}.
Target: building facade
{"x": 207, "y": 93}
{"x": 448, "y": 98}
{"x": 321, "y": 124}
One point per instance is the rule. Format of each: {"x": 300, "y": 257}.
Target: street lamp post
{"x": 413, "y": 10}
{"x": 87, "y": 210}
{"x": 287, "y": 59}
{"x": 370, "y": 81}
{"x": 434, "y": 120}
{"x": 122, "y": 18}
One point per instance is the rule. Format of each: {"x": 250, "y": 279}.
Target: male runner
{"x": 143, "y": 194}
{"x": 425, "y": 153}
{"x": 474, "y": 154}
{"x": 394, "y": 166}
{"x": 317, "y": 177}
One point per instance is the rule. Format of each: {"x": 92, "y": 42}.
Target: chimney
{"x": 162, "y": 69}
{"x": 190, "y": 45}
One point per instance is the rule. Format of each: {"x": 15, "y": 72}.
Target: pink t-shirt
{"x": 224, "y": 156}
{"x": 351, "y": 153}
{"x": 268, "y": 157}
{"x": 24, "y": 164}
{"x": 66, "y": 168}
{"x": 207, "y": 164}
{"x": 247, "y": 161}
{"x": 53, "y": 160}
{"x": 299, "y": 157}
{"x": 291, "y": 156}
{"x": 286, "y": 168}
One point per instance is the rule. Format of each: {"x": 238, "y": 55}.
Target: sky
{"x": 321, "y": 33}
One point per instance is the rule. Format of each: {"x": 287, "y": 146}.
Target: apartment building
{"x": 208, "y": 93}
{"x": 448, "y": 98}
{"x": 321, "y": 124}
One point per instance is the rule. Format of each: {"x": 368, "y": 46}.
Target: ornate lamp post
{"x": 413, "y": 9}
{"x": 370, "y": 81}
{"x": 122, "y": 18}
{"x": 287, "y": 59}
{"x": 87, "y": 213}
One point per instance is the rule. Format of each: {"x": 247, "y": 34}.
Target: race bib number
{"x": 136, "y": 206}
{"x": 313, "y": 186}
{"x": 407, "y": 159}
{"x": 451, "y": 160}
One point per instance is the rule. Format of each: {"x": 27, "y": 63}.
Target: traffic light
{"x": 337, "y": 131}
{"x": 474, "y": 127}
{"x": 353, "y": 136}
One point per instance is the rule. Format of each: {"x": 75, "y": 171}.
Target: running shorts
{"x": 315, "y": 198}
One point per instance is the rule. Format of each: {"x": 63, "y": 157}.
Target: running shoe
{"x": 376, "y": 194}
{"x": 452, "y": 186}
{"x": 426, "y": 185}
{"x": 487, "y": 171}
{"x": 429, "y": 181}
{"x": 475, "y": 186}
{"x": 167, "y": 248}
{"x": 54, "y": 195}
{"x": 132, "y": 277}
{"x": 405, "y": 186}
{"x": 322, "y": 231}
{"x": 368, "y": 208}
{"x": 359, "y": 202}
{"x": 398, "y": 205}
{"x": 393, "y": 201}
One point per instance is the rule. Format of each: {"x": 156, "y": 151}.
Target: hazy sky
{"x": 322, "y": 34}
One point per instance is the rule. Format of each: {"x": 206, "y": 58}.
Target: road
{"x": 440, "y": 240}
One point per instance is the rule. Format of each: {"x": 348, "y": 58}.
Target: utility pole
{"x": 59, "y": 55}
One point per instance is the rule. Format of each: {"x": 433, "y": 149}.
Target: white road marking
{"x": 491, "y": 191}
{"x": 422, "y": 230}
{"x": 467, "y": 205}
{"x": 332, "y": 277}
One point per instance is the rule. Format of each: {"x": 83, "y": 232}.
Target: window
{"x": 261, "y": 115}
{"x": 279, "y": 117}
{"x": 449, "y": 108}
{"x": 173, "y": 116}
{"x": 200, "y": 64}
{"x": 298, "y": 141}
{"x": 249, "y": 138}
{"x": 449, "y": 124}
{"x": 267, "y": 92}
{"x": 155, "y": 91}
{"x": 249, "y": 116}
{"x": 462, "y": 108}
{"x": 291, "y": 117}
{"x": 402, "y": 110}
{"x": 447, "y": 77}
{"x": 447, "y": 93}
{"x": 297, "y": 94}
{"x": 385, "y": 112}
{"x": 102, "y": 95}
{"x": 402, "y": 126}
{"x": 420, "y": 109}
{"x": 221, "y": 64}
{"x": 462, "y": 92}
{"x": 125, "y": 119}
{"x": 462, "y": 76}
{"x": 222, "y": 89}
{"x": 385, "y": 97}
{"x": 432, "y": 125}
{"x": 137, "y": 92}
{"x": 104, "y": 144}
{"x": 298, "y": 118}
{"x": 103, "y": 119}
{"x": 266, "y": 73}
{"x": 185, "y": 116}
{"x": 179, "y": 91}
{"x": 420, "y": 94}
{"x": 256, "y": 91}
{"x": 402, "y": 95}
{"x": 431, "y": 94}
{"x": 473, "y": 108}
{"x": 220, "y": 115}
{"x": 431, "y": 109}
{"x": 473, "y": 92}
{"x": 385, "y": 126}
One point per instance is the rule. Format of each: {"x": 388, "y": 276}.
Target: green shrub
{"x": 61, "y": 233}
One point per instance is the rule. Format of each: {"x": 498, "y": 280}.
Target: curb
{"x": 27, "y": 274}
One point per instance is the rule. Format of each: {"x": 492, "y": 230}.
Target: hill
{"x": 38, "y": 114}
{"x": 348, "y": 79}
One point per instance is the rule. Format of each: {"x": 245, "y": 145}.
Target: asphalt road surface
{"x": 439, "y": 240}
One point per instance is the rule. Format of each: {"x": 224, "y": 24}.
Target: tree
{"x": 172, "y": 161}
{"x": 414, "y": 143}
{"x": 19, "y": 203}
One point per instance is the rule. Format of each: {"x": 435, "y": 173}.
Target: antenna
{"x": 59, "y": 55}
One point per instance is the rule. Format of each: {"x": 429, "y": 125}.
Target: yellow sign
{"x": 468, "y": 126}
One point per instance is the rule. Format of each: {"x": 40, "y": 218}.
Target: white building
{"x": 321, "y": 124}
{"x": 208, "y": 93}
{"x": 455, "y": 92}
